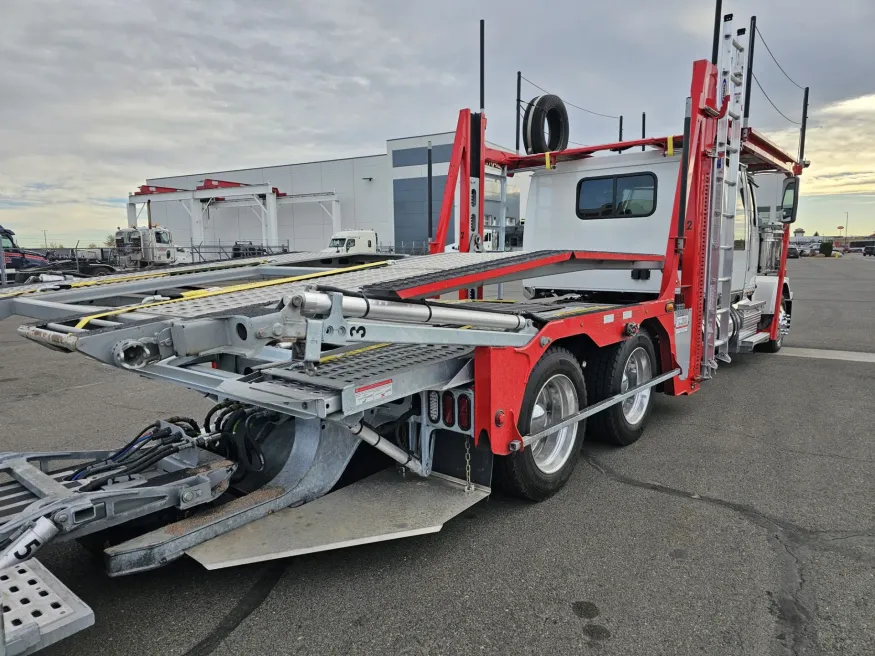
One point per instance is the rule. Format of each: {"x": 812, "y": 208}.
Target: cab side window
{"x": 616, "y": 196}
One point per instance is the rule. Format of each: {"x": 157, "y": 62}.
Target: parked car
{"x": 803, "y": 253}
{"x": 792, "y": 253}
{"x": 869, "y": 250}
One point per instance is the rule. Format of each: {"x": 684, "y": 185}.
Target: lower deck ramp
{"x": 386, "y": 506}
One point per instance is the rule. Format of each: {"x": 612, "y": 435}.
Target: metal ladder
{"x": 724, "y": 188}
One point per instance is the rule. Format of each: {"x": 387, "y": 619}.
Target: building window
{"x": 617, "y": 196}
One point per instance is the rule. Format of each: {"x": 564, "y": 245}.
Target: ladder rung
{"x": 724, "y": 278}
{"x": 733, "y": 115}
{"x": 732, "y": 149}
{"x": 729, "y": 183}
{"x": 727, "y": 248}
{"x": 736, "y": 78}
{"x": 737, "y": 46}
{"x": 722, "y": 310}
{"x": 728, "y": 215}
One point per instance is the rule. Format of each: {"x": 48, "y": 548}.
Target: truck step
{"x": 38, "y": 610}
{"x": 756, "y": 338}
{"x": 385, "y": 506}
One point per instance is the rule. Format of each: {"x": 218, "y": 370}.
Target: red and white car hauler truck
{"x": 645, "y": 270}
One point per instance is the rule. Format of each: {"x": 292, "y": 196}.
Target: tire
{"x": 531, "y": 473}
{"x": 547, "y": 109}
{"x": 604, "y": 378}
{"x": 774, "y": 345}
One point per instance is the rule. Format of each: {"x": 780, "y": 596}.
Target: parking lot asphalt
{"x": 742, "y": 522}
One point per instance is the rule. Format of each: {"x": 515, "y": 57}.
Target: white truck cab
{"x": 624, "y": 203}
{"x": 352, "y": 241}
{"x": 145, "y": 246}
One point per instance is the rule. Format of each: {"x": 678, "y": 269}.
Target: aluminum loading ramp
{"x": 386, "y": 506}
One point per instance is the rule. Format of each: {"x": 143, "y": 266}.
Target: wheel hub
{"x": 636, "y": 371}
{"x": 556, "y": 400}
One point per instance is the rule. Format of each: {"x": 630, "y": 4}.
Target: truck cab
{"x": 145, "y": 246}
{"x": 622, "y": 203}
{"x": 15, "y": 258}
{"x": 352, "y": 241}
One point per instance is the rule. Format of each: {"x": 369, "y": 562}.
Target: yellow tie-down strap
{"x": 205, "y": 293}
{"x": 106, "y": 280}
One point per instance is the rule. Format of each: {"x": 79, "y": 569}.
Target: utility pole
{"x": 45, "y": 240}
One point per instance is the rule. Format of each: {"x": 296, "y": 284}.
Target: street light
{"x": 847, "y": 232}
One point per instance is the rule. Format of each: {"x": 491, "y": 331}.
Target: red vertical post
{"x": 458, "y": 163}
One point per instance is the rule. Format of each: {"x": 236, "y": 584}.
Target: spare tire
{"x": 547, "y": 111}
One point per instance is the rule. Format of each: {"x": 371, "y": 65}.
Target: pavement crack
{"x": 813, "y": 539}
{"x": 778, "y": 447}
{"x": 792, "y": 606}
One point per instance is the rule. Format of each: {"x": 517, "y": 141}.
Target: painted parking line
{"x": 826, "y": 354}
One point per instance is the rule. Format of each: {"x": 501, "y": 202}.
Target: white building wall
{"x": 305, "y": 226}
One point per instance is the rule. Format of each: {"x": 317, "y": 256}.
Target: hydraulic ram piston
{"x": 313, "y": 304}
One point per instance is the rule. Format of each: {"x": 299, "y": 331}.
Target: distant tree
{"x": 816, "y": 234}
{"x": 109, "y": 240}
{"x": 55, "y": 244}
{"x": 92, "y": 245}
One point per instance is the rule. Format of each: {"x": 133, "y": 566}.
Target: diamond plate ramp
{"x": 385, "y": 506}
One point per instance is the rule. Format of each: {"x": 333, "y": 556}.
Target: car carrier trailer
{"x": 310, "y": 366}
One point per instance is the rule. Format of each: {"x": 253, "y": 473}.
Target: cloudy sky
{"x": 98, "y": 95}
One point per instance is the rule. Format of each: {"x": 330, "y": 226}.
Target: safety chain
{"x": 469, "y": 487}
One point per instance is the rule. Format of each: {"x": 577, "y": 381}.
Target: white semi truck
{"x": 145, "y": 247}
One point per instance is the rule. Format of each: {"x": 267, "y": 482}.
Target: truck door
{"x": 753, "y": 248}
{"x": 741, "y": 241}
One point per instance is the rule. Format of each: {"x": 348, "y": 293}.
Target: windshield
{"x": 337, "y": 242}
{"x": 162, "y": 237}
{"x": 7, "y": 242}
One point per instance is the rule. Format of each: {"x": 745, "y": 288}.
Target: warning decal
{"x": 373, "y": 392}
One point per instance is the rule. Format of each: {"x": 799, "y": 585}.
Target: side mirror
{"x": 789, "y": 200}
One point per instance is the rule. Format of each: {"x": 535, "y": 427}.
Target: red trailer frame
{"x": 497, "y": 403}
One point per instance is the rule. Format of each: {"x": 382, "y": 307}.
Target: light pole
{"x": 45, "y": 240}
{"x": 847, "y": 232}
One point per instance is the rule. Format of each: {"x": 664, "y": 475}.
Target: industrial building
{"x": 384, "y": 192}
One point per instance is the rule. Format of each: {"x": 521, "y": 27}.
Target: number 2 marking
{"x": 689, "y": 224}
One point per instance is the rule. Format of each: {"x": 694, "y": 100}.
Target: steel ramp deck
{"x": 385, "y": 506}
{"x": 284, "y": 259}
{"x": 38, "y": 610}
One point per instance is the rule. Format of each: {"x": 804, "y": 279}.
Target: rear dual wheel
{"x": 616, "y": 369}
{"x": 556, "y": 389}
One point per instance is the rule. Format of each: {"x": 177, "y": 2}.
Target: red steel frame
{"x": 500, "y": 372}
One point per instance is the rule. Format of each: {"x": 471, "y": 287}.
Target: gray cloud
{"x": 99, "y": 95}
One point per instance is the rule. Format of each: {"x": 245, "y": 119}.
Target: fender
{"x": 767, "y": 288}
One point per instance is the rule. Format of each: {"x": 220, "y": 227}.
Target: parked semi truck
{"x": 644, "y": 278}
{"x": 141, "y": 247}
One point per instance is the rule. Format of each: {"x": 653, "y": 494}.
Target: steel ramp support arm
{"x": 458, "y": 159}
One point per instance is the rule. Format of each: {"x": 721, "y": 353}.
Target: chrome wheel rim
{"x": 556, "y": 400}
{"x": 636, "y": 371}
